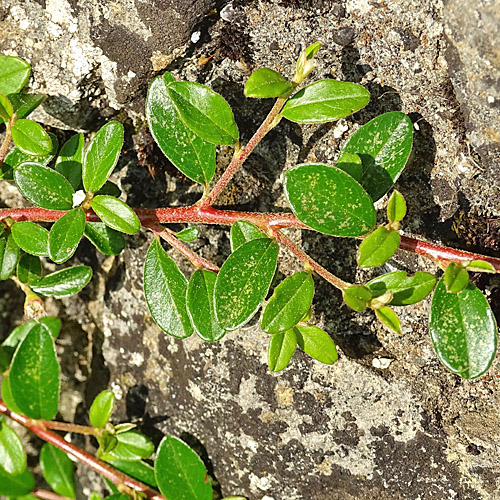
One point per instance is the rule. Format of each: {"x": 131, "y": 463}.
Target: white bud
{"x": 78, "y": 198}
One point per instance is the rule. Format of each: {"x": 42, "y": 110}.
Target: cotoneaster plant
{"x": 70, "y": 188}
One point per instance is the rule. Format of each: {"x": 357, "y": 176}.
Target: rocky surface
{"x": 387, "y": 421}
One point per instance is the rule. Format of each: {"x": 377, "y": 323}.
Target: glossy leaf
{"x": 189, "y": 234}
{"x": 243, "y": 282}
{"x": 291, "y": 299}
{"x": 200, "y": 305}
{"x": 165, "y": 289}
{"x": 480, "y": 266}
{"x": 131, "y": 446}
{"x": 24, "y": 104}
{"x": 389, "y": 318}
{"x": 180, "y": 473}
{"x": 34, "y": 375}
{"x": 328, "y": 200}
{"x": 57, "y": 469}
{"x": 242, "y": 231}
{"x": 102, "y": 156}
{"x": 106, "y": 240}
{"x": 116, "y": 214}
{"x": 29, "y": 269}
{"x": 192, "y": 155}
{"x": 463, "y": 330}
{"x": 384, "y": 145}
{"x": 44, "y": 187}
{"x": 281, "y": 349}
{"x": 109, "y": 188}
{"x": 63, "y": 283}
{"x": 316, "y": 343}
{"x": 455, "y": 277}
{"x": 14, "y": 74}
{"x": 352, "y": 164}
{"x": 8, "y": 399}
{"x": 325, "y": 101}
{"x": 65, "y": 235}
{"x": 204, "y": 111}
{"x": 6, "y": 109}
{"x": 138, "y": 470}
{"x": 9, "y": 256}
{"x": 396, "y": 208}
{"x": 30, "y": 138}
{"x": 357, "y": 297}
{"x": 31, "y": 238}
{"x": 12, "y": 456}
{"x": 102, "y": 408}
{"x": 70, "y": 159}
{"x": 266, "y": 82}
{"x": 16, "y": 486}
{"x": 378, "y": 247}
{"x": 405, "y": 289}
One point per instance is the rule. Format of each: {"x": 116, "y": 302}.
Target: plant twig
{"x": 4, "y": 148}
{"x": 64, "y": 426}
{"x": 115, "y": 476}
{"x": 48, "y": 495}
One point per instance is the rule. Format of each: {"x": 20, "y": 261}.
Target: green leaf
{"x": 102, "y": 408}
{"x": 180, "y": 473}
{"x": 305, "y": 62}
{"x": 396, "y": 208}
{"x": 63, "y": 283}
{"x": 110, "y": 189}
{"x": 31, "y": 238}
{"x": 243, "y": 282}
{"x": 242, "y": 231}
{"x": 102, "y": 155}
{"x": 480, "y": 266}
{"x": 53, "y": 324}
{"x": 16, "y": 157}
{"x": 193, "y": 156}
{"x": 317, "y": 343}
{"x": 291, "y": 299}
{"x": 352, "y": 164}
{"x": 131, "y": 446}
{"x": 24, "y": 104}
{"x": 378, "y": 247}
{"x": 138, "y": 470}
{"x": 57, "y": 469}
{"x": 70, "y": 159}
{"x": 116, "y": 214}
{"x": 325, "y": 101}
{"x": 165, "y": 289}
{"x": 44, "y": 187}
{"x": 357, "y": 297}
{"x": 204, "y": 111}
{"x": 384, "y": 145}
{"x": 405, "y": 289}
{"x": 6, "y": 109}
{"x": 14, "y": 74}
{"x": 456, "y": 278}
{"x": 8, "y": 399}
{"x": 106, "y": 240}
{"x": 65, "y": 235}
{"x": 16, "y": 486}
{"x": 387, "y": 316}
{"x": 281, "y": 349}
{"x": 34, "y": 375}
{"x": 463, "y": 330}
{"x": 9, "y": 256}
{"x": 12, "y": 456}
{"x": 266, "y": 82}
{"x": 29, "y": 269}
{"x": 188, "y": 234}
{"x": 30, "y": 138}
{"x": 328, "y": 200}
{"x": 200, "y": 305}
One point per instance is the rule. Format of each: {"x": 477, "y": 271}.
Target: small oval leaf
{"x": 70, "y": 159}
{"x": 44, "y": 187}
{"x": 34, "y": 375}
{"x": 6, "y": 109}
{"x": 138, "y": 470}
{"x": 16, "y": 486}
{"x": 65, "y": 235}
{"x": 455, "y": 278}
{"x": 106, "y": 240}
{"x": 165, "y": 289}
{"x": 243, "y": 231}
{"x": 243, "y": 282}
{"x": 12, "y": 456}
{"x": 63, "y": 283}
{"x": 378, "y": 247}
{"x": 102, "y": 408}
{"x": 357, "y": 297}
{"x": 189, "y": 234}
{"x": 31, "y": 238}
{"x": 328, "y": 200}
{"x": 180, "y": 473}
{"x": 463, "y": 330}
{"x": 57, "y": 469}
{"x": 30, "y": 138}
{"x": 116, "y": 214}
{"x": 102, "y": 156}
{"x": 325, "y": 101}
{"x": 291, "y": 299}
{"x": 281, "y": 349}
{"x": 24, "y": 104}
{"x": 130, "y": 446}
{"x": 396, "y": 207}
{"x": 14, "y": 74}
{"x": 29, "y": 269}
{"x": 200, "y": 305}
{"x": 389, "y": 318}
{"x": 317, "y": 343}
{"x": 9, "y": 256}
{"x": 266, "y": 82}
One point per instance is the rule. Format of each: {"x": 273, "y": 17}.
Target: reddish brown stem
{"x": 48, "y": 495}
{"x": 110, "y": 473}
{"x": 63, "y": 426}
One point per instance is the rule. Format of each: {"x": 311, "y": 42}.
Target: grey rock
{"x": 344, "y": 36}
